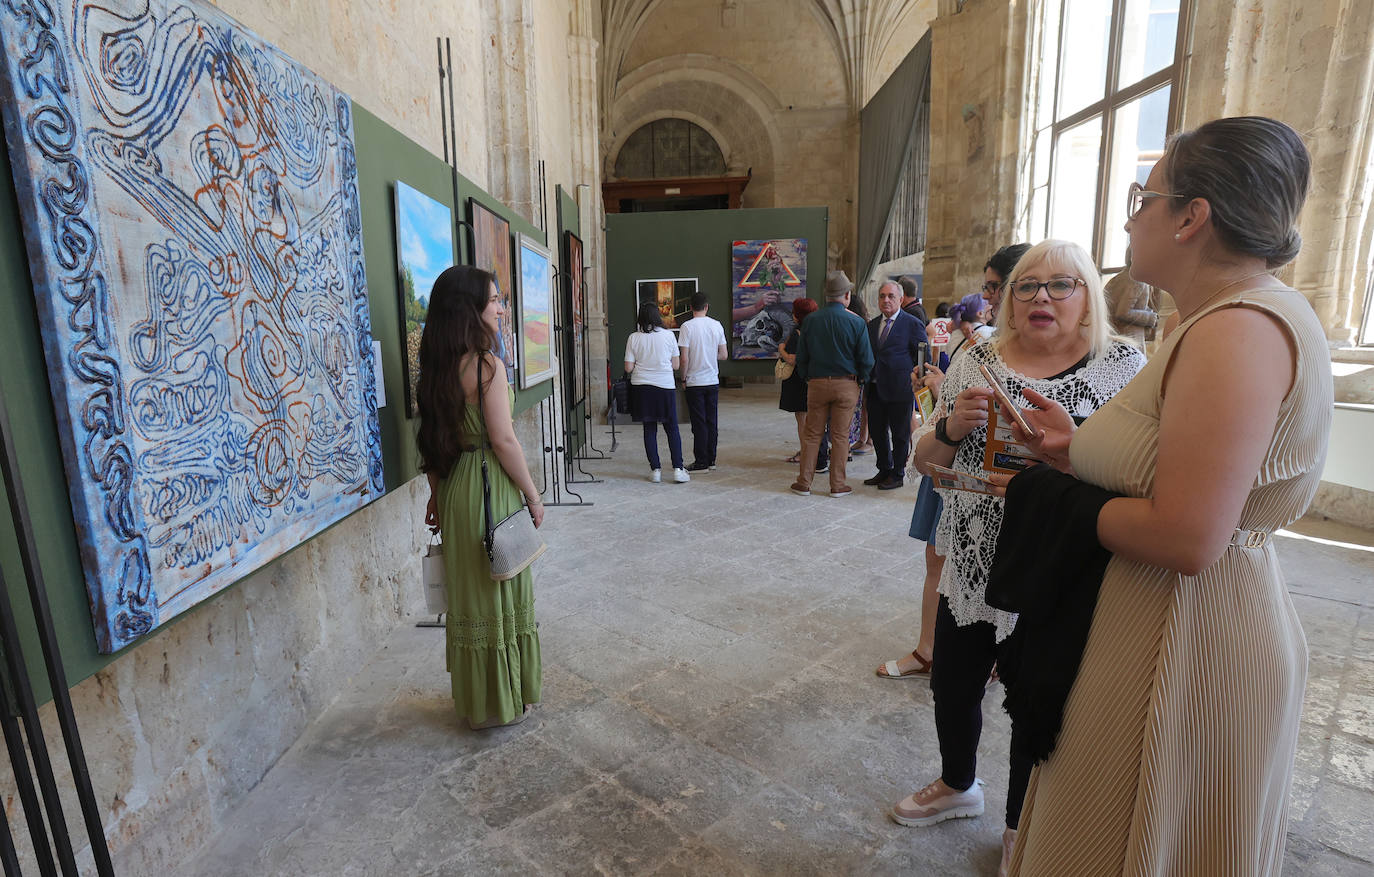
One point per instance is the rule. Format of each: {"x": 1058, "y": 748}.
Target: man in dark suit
{"x": 896, "y": 336}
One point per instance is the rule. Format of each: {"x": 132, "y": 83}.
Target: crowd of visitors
{"x": 1108, "y": 557}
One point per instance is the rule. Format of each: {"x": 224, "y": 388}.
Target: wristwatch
{"x": 942, "y": 436}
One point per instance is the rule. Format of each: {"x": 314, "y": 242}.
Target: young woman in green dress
{"x": 492, "y": 650}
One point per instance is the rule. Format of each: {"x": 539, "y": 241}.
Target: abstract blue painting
{"x": 190, "y": 207}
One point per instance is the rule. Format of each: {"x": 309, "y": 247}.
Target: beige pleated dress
{"x": 1176, "y": 753}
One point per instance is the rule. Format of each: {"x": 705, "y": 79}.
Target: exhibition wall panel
{"x": 383, "y": 157}
{"x": 698, "y": 243}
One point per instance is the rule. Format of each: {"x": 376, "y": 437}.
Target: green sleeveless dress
{"x": 492, "y": 651}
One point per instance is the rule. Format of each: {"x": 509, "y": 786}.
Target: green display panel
{"x": 384, "y": 155}
{"x": 570, "y": 220}
{"x": 697, "y": 243}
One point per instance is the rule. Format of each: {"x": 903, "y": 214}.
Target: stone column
{"x": 976, "y": 105}
{"x": 1309, "y": 63}
{"x": 583, "y": 98}
{"x": 512, "y": 114}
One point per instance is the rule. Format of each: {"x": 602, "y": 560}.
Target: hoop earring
{"x": 1086, "y": 321}
{"x": 1011, "y": 323}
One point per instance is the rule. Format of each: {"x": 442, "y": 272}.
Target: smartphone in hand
{"x": 922, "y": 356}
{"x": 1004, "y": 399}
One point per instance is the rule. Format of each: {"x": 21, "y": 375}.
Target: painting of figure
{"x": 424, "y": 247}
{"x": 190, "y": 209}
{"x": 492, "y": 252}
{"x": 767, "y": 276}
{"x": 537, "y": 363}
{"x": 575, "y": 298}
{"x": 673, "y": 295}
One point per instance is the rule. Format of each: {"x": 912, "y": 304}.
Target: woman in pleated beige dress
{"x": 1176, "y": 752}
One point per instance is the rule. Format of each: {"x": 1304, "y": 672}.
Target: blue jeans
{"x": 702, "y": 403}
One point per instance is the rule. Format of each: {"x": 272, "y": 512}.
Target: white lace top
{"x": 967, "y": 533}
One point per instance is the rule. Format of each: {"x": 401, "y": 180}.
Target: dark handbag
{"x": 620, "y": 390}
{"x": 514, "y": 543}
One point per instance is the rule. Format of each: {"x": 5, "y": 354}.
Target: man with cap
{"x": 896, "y": 337}
{"x": 835, "y": 357}
{"x": 911, "y": 299}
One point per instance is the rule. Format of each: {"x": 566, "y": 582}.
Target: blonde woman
{"x": 1054, "y": 338}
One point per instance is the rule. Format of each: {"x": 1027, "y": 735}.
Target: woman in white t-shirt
{"x": 651, "y": 357}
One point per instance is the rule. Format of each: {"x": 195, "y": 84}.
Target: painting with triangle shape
{"x": 766, "y": 277}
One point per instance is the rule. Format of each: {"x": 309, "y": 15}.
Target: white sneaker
{"x": 936, "y": 803}
{"x": 656, "y": 476}
{"x": 681, "y": 476}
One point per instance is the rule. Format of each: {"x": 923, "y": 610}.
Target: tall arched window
{"x": 668, "y": 149}
{"x": 1107, "y": 98}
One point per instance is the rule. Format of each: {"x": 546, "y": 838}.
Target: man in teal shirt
{"x": 835, "y": 357}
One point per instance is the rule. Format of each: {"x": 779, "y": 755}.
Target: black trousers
{"x": 963, "y": 658}
{"x": 889, "y": 426}
{"x": 702, "y": 403}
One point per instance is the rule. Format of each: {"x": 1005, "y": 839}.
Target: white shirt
{"x": 652, "y": 353}
{"x": 700, "y": 339}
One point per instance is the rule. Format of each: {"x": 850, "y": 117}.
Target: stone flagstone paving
{"x": 710, "y": 704}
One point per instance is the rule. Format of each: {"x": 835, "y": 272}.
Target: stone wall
{"x": 180, "y": 727}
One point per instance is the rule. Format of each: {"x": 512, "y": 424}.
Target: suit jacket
{"x": 895, "y": 357}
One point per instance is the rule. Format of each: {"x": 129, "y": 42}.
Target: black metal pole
{"x": 57, "y": 675}
{"x": 19, "y": 759}
{"x": 7, "y": 852}
{"x": 443, "y": 111}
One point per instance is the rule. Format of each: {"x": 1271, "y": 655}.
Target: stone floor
{"x": 710, "y": 705}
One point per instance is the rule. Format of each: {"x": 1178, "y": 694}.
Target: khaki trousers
{"x": 828, "y": 400}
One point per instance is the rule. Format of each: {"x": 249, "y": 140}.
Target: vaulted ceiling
{"x": 859, "y": 31}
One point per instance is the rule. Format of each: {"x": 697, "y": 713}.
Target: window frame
{"x": 1113, "y": 99}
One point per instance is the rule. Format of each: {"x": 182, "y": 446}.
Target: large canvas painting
{"x": 424, "y": 248}
{"x": 766, "y": 277}
{"x": 190, "y": 209}
{"x": 575, "y": 303}
{"x": 491, "y": 243}
{"x": 673, "y": 295}
{"x": 537, "y": 361}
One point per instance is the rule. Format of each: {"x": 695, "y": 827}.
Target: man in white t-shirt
{"x": 702, "y": 342}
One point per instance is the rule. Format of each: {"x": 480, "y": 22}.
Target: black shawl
{"x": 1048, "y": 567}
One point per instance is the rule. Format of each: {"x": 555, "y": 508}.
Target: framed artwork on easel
{"x": 538, "y": 362}
{"x": 492, "y": 252}
{"x": 574, "y": 304}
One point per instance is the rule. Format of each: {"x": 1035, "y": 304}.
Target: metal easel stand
{"x": 20, "y": 704}
{"x": 586, "y": 389}
{"x": 553, "y": 432}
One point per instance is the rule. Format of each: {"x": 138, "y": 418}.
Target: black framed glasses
{"x": 1137, "y": 195}
{"x": 992, "y": 288}
{"x": 1058, "y": 289}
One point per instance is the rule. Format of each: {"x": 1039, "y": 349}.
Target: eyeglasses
{"x": 1137, "y": 195}
{"x": 991, "y": 288}
{"x": 1059, "y": 288}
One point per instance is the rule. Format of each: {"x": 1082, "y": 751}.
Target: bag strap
{"x": 488, "y": 540}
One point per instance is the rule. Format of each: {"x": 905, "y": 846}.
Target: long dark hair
{"x": 649, "y": 317}
{"x": 453, "y": 328}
